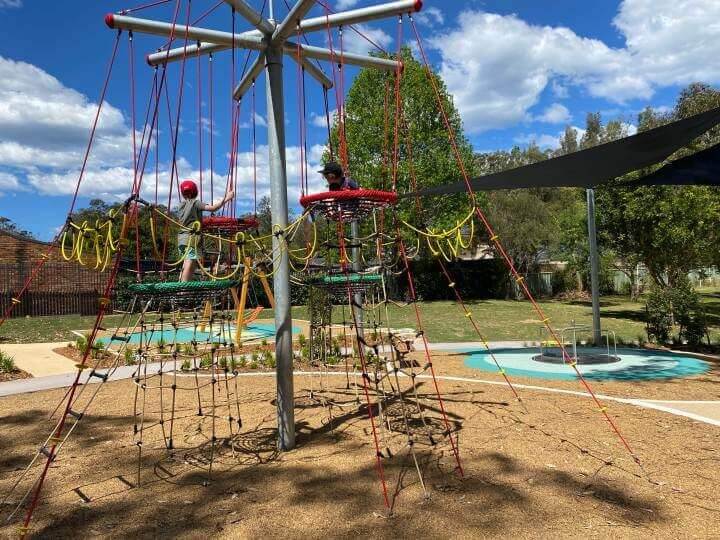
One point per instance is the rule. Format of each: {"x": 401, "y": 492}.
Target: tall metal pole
{"x": 594, "y": 266}
{"x": 281, "y": 281}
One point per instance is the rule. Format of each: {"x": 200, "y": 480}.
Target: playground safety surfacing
{"x": 633, "y": 364}
{"x": 525, "y": 467}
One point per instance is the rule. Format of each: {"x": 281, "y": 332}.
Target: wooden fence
{"x": 59, "y": 289}
{"x": 38, "y": 304}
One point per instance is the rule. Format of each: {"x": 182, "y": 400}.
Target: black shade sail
{"x": 699, "y": 169}
{"x": 599, "y": 164}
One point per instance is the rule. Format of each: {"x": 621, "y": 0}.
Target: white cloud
{"x": 430, "y": 16}
{"x": 320, "y": 120}
{"x": 672, "y": 41}
{"x": 559, "y": 90}
{"x": 542, "y": 140}
{"x": 629, "y": 129}
{"x": 45, "y": 124}
{"x": 345, "y": 4}
{"x": 259, "y": 122}
{"x": 10, "y": 4}
{"x": 9, "y": 182}
{"x": 356, "y": 43}
{"x": 114, "y": 183}
{"x": 497, "y": 66}
{"x": 555, "y": 114}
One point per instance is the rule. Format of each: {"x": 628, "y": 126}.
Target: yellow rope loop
{"x": 227, "y": 276}
{"x": 63, "y": 241}
{"x": 313, "y": 248}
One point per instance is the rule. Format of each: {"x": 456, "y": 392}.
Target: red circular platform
{"x": 227, "y": 225}
{"x": 350, "y": 204}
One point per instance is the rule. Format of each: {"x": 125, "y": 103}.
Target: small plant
{"x": 206, "y": 361}
{"x": 223, "y": 362}
{"x": 242, "y": 361}
{"x": 268, "y": 359}
{"x": 253, "y": 364}
{"x": 161, "y": 343}
{"x": 129, "y": 356}
{"x": 255, "y": 357}
{"x": 81, "y": 344}
{"x": 7, "y": 363}
{"x": 98, "y": 348}
{"x": 185, "y": 365}
{"x": 264, "y": 344}
{"x": 333, "y": 360}
{"x": 233, "y": 364}
{"x": 302, "y": 340}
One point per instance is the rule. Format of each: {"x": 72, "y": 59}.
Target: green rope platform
{"x": 183, "y": 293}
{"x": 169, "y": 287}
{"x": 341, "y": 283}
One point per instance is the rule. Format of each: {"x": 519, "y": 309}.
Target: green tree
{"x": 7, "y": 224}
{"x": 532, "y": 223}
{"x": 98, "y": 212}
{"x": 670, "y": 229}
{"x": 423, "y": 143}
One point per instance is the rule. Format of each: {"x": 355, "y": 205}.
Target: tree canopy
{"x": 423, "y": 143}
{"x": 670, "y": 229}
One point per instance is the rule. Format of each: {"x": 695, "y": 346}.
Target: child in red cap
{"x": 190, "y": 211}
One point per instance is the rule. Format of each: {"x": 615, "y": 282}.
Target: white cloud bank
{"x": 497, "y": 66}
{"x": 45, "y": 128}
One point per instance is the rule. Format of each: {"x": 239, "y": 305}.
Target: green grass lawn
{"x": 443, "y": 321}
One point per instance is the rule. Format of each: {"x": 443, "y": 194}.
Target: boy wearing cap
{"x": 190, "y": 211}
{"x": 336, "y": 179}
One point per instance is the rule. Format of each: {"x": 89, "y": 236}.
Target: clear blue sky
{"x": 519, "y": 70}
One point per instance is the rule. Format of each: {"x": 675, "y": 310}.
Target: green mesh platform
{"x": 182, "y": 294}
{"x": 341, "y": 283}
{"x": 351, "y": 278}
{"x": 172, "y": 287}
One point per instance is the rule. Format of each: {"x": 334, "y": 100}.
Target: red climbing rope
{"x": 494, "y": 238}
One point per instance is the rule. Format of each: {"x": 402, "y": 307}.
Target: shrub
{"x": 7, "y": 363}
{"x": 185, "y": 365}
{"x": 658, "y": 315}
{"x": 695, "y": 329}
{"x": 563, "y": 281}
{"x": 680, "y": 305}
{"x": 223, "y": 362}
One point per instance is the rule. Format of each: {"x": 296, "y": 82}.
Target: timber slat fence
{"x": 59, "y": 289}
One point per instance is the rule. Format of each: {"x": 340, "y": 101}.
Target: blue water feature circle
{"x": 634, "y": 365}
{"x": 254, "y": 330}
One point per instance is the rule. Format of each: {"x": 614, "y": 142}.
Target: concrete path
{"x": 38, "y": 359}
